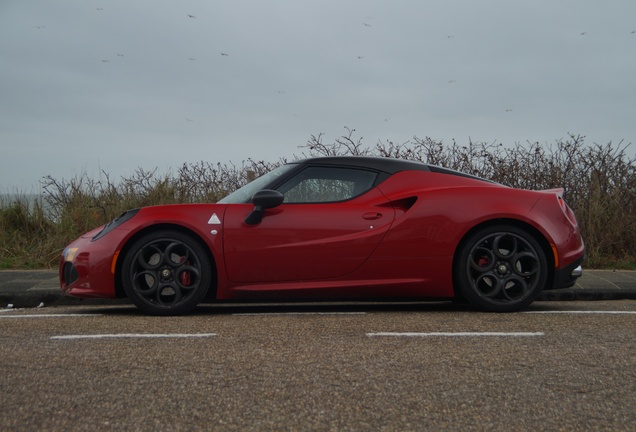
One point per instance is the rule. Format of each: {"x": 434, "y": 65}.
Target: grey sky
{"x": 117, "y": 84}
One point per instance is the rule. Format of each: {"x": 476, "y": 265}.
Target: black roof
{"x": 384, "y": 164}
{"x": 387, "y": 165}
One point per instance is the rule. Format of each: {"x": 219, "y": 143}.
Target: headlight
{"x": 127, "y": 215}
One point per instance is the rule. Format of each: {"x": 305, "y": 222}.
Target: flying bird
{"x": 191, "y": 16}
{"x": 583, "y": 34}
{"x": 225, "y": 54}
{"x": 366, "y": 25}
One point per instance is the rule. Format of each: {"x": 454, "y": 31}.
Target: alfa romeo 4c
{"x": 336, "y": 228}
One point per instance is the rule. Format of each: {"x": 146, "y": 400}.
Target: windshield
{"x": 244, "y": 194}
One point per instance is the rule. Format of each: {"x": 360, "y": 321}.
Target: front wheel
{"x": 501, "y": 269}
{"x": 166, "y": 273}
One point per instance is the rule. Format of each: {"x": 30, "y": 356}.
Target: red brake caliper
{"x": 185, "y": 276}
{"x": 483, "y": 261}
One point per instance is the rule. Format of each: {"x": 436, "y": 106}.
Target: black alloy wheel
{"x": 166, "y": 273}
{"x": 501, "y": 269}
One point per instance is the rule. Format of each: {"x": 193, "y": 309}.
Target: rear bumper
{"x": 566, "y": 277}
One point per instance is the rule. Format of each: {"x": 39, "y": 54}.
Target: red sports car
{"x": 336, "y": 228}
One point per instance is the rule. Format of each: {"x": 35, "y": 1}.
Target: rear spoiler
{"x": 556, "y": 191}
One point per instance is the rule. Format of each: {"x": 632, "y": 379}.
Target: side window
{"x": 325, "y": 184}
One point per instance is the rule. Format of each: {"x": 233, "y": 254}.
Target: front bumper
{"x": 85, "y": 268}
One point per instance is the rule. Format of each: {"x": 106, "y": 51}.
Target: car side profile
{"x": 336, "y": 228}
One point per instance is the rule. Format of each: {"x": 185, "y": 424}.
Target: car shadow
{"x": 295, "y": 308}
{"x": 207, "y": 309}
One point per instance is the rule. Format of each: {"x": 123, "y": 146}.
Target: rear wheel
{"x": 166, "y": 273}
{"x": 501, "y": 269}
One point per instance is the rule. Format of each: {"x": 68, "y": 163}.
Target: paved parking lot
{"x": 435, "y": 366}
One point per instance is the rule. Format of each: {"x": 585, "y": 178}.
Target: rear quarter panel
{"x": 448, "y": 206}
{"x": 423, "y": 240}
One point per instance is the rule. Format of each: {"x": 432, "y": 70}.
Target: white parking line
{"x": 299, "y": 313}
{"x": 584, "y": 312}
{"x": 50, "y": 316}
{"x": 458, "y": 334}
{"x": 133, "y": 336}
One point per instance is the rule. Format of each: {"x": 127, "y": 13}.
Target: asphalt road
{"x": 414, "y": 367}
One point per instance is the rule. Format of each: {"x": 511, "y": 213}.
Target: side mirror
{"x": 262, "y": 200}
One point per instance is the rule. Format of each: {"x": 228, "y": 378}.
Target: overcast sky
{"x": 90, "y": 85}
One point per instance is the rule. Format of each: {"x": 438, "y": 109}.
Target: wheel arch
{"x": 119, "y": 288}
{"x": 525, "y": 226}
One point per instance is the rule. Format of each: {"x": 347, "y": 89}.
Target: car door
{"x": 331, "y": 221}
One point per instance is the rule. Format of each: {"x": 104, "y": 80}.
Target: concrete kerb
{"x": 33, "y": 288}
{"x": 598, "y": 285}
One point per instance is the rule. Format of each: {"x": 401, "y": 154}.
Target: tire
{"x": 500, "y": 269}
{"x": 166, "y": 273}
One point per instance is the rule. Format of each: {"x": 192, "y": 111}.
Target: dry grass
{"x": 599, "y": 183}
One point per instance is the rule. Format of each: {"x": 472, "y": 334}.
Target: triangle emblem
{"x": 214, "y": 220}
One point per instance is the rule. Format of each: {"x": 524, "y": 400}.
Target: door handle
{"x": 372, "y": 216}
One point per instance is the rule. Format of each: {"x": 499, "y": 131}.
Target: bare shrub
{"x": 599, "y": 183}
{"x": 343, "y": 146}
